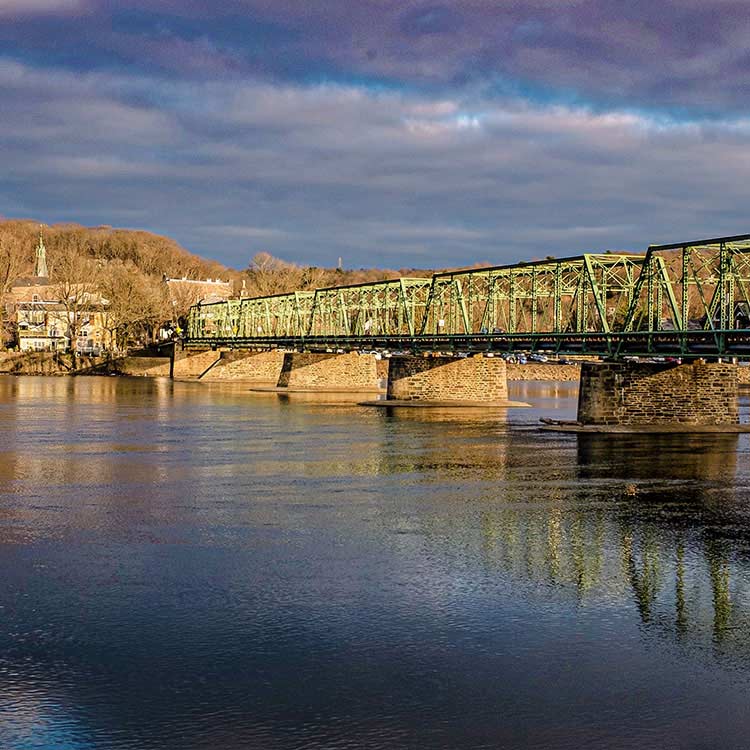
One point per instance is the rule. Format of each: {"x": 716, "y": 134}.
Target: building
{"x": 43, "y": 321}
{"x": 41, "y": 326}
{"x": 45, "y": 326}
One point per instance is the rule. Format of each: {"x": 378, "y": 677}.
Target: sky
{"x": 387, "y": 133}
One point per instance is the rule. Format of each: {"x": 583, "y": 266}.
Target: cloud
{"x": 398, "y": 177}
{"x": 24, "y": 8}
{"x": 244, "y": 232}
{"x": 674, "y": 55}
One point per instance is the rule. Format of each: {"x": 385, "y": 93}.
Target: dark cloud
{"x": 428, "y": 133}
{"x": 431, "y": 19}
{"x": 680, "y": 54}
{"x": 312, "y": 173}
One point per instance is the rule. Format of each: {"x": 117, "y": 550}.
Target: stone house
{"x": 42, "y": 321}
{"x": 46, "y": 326}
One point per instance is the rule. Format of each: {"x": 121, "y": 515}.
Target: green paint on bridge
{"x": 688, "y": 299}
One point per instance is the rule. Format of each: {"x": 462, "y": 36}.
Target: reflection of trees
{"x": 681, "y": 584}
{"x": 641, "y": 565}
{"x": 549, "y": 547}
{"x": 655, "y": 542}
{"x": 680, "y": 609}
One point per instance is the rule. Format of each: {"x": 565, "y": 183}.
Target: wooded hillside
{"x": 150, "y": 254}
{"x": 127, "y": 267}
{"x": 154, "y": 256}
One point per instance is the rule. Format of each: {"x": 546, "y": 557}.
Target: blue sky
{"x": 387, "y": 133}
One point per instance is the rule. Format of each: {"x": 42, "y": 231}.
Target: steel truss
{"x": 395, "y": 306}
{"x": 279, "y": 315}
{"x": 684, "y": 299}
{"x": 569, "y": 295}
{"x": 693, "y": 286}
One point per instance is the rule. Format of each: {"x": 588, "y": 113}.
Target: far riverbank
{"x": 53, "y": 363}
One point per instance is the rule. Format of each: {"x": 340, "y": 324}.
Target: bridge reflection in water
{"x": 657, "y": 522}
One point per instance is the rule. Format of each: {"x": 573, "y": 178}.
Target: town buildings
{"x": 44, "y": 314}
{"x": 43, "y": 321}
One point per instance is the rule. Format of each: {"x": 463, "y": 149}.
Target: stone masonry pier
{"x": 247, "y": 366}
{"x": 648, "y": 394}
{"x": 469, "y": 380}
{"x": 352, "y": 372}
{"x": 187, "y": 364}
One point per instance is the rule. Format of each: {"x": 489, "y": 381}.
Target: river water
{"x": 190, "y": 566}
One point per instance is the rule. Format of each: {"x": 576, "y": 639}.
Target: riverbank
{"x": 51, "y": 363}
{"x": 201, "y": 365}
{"x": 56, "y": 363}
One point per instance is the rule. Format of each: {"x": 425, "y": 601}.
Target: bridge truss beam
{"x": 394, "y": 306}
{"x": 571, "y": 295}
{"x": 686, "y": 299}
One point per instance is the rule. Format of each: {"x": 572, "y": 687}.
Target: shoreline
{"x": 60, "y": 365}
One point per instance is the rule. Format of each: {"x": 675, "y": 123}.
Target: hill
{"x": 150, "y": 254}
{"x": 153, "y": 256}
{"x": 126, "y": 268}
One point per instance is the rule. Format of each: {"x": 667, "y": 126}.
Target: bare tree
{"x": 76, "y": 276}
{"x": 314, "y": 277}
{"x": 13, "y": 257}
{"x": 270, "y": 275}
{"x": 136, "y": 304}
{"x": 181, "y": 298}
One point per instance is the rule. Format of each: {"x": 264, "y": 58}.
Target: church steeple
{"x": 40, "y": 267}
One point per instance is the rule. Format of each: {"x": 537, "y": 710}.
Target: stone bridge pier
{"x": 448, "y": 380}
{"x": 256, "y": 367}
{"x": 652, "y": 395}
{"x": 310, "y": 371}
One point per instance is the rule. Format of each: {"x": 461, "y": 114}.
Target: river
{"x": 189, "y": 566}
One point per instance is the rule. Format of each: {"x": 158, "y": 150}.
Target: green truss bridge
{"x": 688, "y": 299}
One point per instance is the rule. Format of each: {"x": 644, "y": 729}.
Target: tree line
{"x": 127, "y": 269}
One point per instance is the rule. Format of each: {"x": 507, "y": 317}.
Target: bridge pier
{"x": 185, "y": 364}
{"x": 651, "y": 394}
{"x": 247, "y": 366}
{"x": 352, "y": 372}
{"x": 462, "y": 380}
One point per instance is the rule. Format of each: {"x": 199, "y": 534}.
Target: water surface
{"x": 190, "y": 566}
